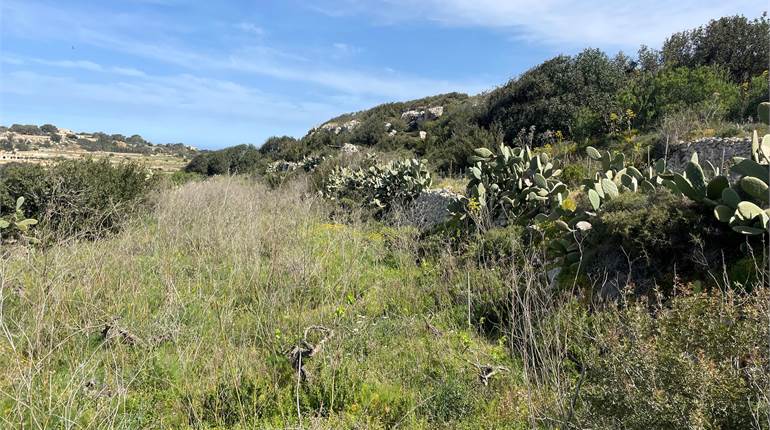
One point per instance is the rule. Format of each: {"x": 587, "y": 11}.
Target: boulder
{"x": 434, "y": 112}
{"x": 349, "y": 148}
{"x": 429, "y": 209}
{"x": 423, "y": 135}
{"x": 412, "y": 116}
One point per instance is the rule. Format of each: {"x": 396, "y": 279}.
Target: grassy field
{"x": 189, "y": 316}
{"x": 204, "y": 298}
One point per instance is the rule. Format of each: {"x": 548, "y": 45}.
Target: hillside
{"x": 48, "y": 143}
{"x": 701, "y": 83}
{"x": 584, "y": 247}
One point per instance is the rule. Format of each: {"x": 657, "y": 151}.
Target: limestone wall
{"x": 720, "y": 151}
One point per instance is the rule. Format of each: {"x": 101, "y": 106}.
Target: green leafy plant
{"x": 744, "y": 206}
{"x": 379, "y": 186}
{"x": 16, "y": 224}
{"x": 512, "y": 184}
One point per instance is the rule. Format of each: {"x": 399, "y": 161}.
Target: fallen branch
{"x": 305, "y": 350}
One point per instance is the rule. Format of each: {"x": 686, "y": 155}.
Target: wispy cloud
{"x": 257, "y": 59}
{"x": 174, "y": 92}
{"x": 560, "y": 22}
{"x": 250, "y": 28}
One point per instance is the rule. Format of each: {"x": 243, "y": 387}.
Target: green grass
{"x": 216, "y": 285}
{"x": 208, "y": 291}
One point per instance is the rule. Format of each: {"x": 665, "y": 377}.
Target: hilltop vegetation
{"x": 20, "y": 137}
{"x": 703, "y": 80}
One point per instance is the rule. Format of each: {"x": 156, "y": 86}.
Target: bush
{"x": 736, "y": 43}
{"x": 241, "y": 159}
{"x": 85, "y": 198}
{"x": 380, "y": 186}
{"x": 705, "y": 90}
{"x": 49, "y": 128}
{"x": 647, "y": 223}
{"x": 696, "y": 363}
{"x": 26, "y": 129}
{"x": 565, "y": 93}
{"x": 284, "y": 148}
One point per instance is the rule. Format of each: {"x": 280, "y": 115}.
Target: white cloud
{"x": 251, "y": 28}
{"x": 598, "y": 23}
{"x": 182, "y": 92}
{"x": 114, "y": 32}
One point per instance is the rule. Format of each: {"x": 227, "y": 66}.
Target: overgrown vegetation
{"x": 579, "y": 282}
{"x": 191, "y": 318}
{"x": 710, "y": 77}
{"x": 76, "y": 198}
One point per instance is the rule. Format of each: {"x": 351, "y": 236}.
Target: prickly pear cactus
{"x": 381, "y": 185}
{"x": 513, "y": 183}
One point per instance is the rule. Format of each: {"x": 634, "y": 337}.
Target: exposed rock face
{"x": 332, "y": 127}
{"x": 351, "y": 125}
{"x": 349, "y": 148}
{"x": 423, "y": 135}
{"x": 435, "y": 112}
{"x": 414, "y": 117}
{"x": 337, "y": 128}
{"x": 429, "y": 208}
{"x": 719, "y": 151}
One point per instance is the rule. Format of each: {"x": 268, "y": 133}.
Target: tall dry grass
{"x": 187, "y": 315}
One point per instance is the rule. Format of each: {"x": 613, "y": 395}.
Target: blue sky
{"x": 219, "y": 73}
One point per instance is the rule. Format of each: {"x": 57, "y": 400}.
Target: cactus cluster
{"x": 511, "y": 183}
{"x": 517, "y": 184}
{"x": 696, "y": 185}
{"x": 379, "y": 186}
{"x": 744, "y": 206}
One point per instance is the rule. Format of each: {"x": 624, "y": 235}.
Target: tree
{"x": 735, "y": 43}
{"x": 570, "y": 94}
{"x": 49, "y": 128}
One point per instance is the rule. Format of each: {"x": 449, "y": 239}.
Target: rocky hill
{"x": 25, "y": 138}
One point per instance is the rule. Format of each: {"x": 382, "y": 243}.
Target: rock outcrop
{"x": 416, "y": 116}
{"x": 719, "y": 151}
{"x": 337, "y": 128}
{"x": 349, "y": 148}
{"x": 429, "y": 209}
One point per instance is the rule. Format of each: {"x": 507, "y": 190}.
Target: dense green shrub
{"x": 706, "y": 90}
{"x": 646, "y": 224}
{"x": 284, "y": 148}
{"x": 736, "y": 43}
{"x": 26, "y": 129}
{"x": 698, "y": 362}
{"x": 241, "y": 159}
{"x": 83, "y": 197}
{"x": 568, "y": 94}
{"x": 49, "y": 128}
